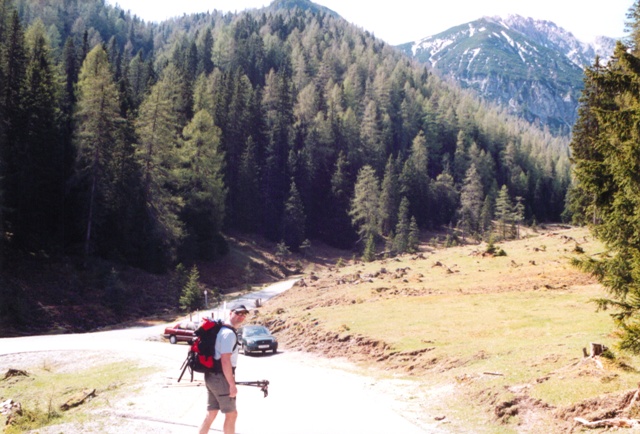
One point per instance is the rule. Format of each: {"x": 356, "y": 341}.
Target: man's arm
{"x": 227, "y": 370}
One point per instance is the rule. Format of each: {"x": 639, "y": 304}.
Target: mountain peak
{"x": 305, "y": 5}
{"x": 532, "y": 67}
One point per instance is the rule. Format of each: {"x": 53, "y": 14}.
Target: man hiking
{"x": 221, "y": 385}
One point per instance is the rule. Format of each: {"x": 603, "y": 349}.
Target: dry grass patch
{"x": 56, "y": 392}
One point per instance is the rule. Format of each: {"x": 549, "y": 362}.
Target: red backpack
{"x": 200, "y": 357}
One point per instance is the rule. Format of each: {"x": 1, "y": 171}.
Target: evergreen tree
{"x": 606, "y": 167}
{"x": 205, "y": 65}
{"x": 157, "y": 128}
{"x": 202, "y": 185}
{"x": 486, "y": 215}
{"x": 414, "y": 236}
{"x": 471, "y": 200}
{"x": 13, "y": 56}
{"x": 192, "y": 295}
{"x": 369, "y": 252}
{"x": 294, "y": 220}
{"x": 98, "y": 139}
{"x": 403, "y": 228}
{"x": 389, "y": 198}
{"x": 365, "y": 210}
{"x": 339, "y": 228}
{"x": 373, "y": 147}
{"x": 248, "y": 209}
{"x": 446, "y": 196}
{"x": 415, "y": 181}
{"x": 518, "y": 214}
{"x": 42, "y": 178}
{"x": 277, "y": 102}
{"x": 504, "y": 210}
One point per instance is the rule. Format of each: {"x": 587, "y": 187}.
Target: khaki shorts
{"x": 218, "y": 393}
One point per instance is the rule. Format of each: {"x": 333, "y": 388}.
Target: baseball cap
{"x": 239, "y": 308}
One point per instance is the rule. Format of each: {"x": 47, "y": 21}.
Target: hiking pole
{"x": 184, "y": 368}
{"x": 263, "y": 385}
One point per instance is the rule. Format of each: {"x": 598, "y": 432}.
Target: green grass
{"x": 45, "y": 390}
{"x": 493, "y": 323}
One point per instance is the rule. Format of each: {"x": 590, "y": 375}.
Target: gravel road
{"x": 307, "y": 394}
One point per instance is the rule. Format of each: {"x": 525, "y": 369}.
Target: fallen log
{"x": 609, "y": 423}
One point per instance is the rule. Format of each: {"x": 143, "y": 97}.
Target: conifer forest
{"x": 142, "y": 143}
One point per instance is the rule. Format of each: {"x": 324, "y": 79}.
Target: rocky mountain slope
{"x": 533, "y": 68}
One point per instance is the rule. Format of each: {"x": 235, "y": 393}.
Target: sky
{"x": 400, "y": 21}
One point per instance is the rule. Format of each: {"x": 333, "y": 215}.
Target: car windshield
{"x": 255, "y": 331}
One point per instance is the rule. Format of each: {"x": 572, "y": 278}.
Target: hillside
{"x": 503, "y": 334}
{"x": 133, "y": 147}
{"x": 533, "y": 68}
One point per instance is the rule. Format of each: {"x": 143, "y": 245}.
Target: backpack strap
{"x": 235, "y": 332}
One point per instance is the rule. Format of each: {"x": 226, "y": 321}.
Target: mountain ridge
{"x": 534, "y": 68}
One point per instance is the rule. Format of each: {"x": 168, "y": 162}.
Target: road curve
{"x": 307, "y": 394}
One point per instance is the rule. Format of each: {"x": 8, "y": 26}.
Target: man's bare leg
{"x": 230, "y": 422}
{"x": 208, "y": 420}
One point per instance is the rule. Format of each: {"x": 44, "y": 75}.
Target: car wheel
{"x": 173, "y": 339}
{"x": 275, "y": 350}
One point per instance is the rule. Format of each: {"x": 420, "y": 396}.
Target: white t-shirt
{"x": 226, "y": 343}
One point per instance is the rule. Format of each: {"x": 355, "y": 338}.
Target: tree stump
{"x": 597, "y": 349}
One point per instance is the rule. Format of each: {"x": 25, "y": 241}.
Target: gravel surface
{"x": 307, "y": 394}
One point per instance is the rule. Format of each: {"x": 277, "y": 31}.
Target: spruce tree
{"x": 389, "y": 198}
{"x": 403, "y": 228}
{"x": 606, "y": 167}
{"x": 365, "y": 210}
{"x": 294, "y": 220}
{"x": 192, "y": 295}
{"x": 504, "y": 210}
{"x": 414, "y": 236}
{"x": 471, "y": 200}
